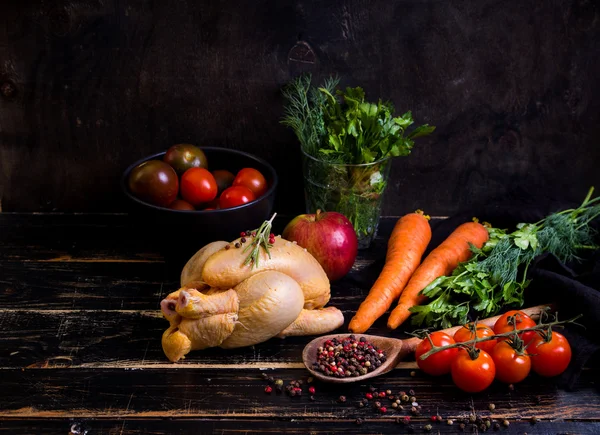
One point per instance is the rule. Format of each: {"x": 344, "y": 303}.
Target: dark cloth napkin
{"x": 575, "y": 288}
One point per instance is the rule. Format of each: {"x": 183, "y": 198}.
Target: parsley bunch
{"x": 342, "y": 127}
{"x": 496, "y": 275}
{"x": 351, "y": 141}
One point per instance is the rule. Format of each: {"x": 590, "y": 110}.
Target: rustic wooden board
{"x": 119, "y": 286}
{"x": 84, "y": 285}
{"x": 270, "y": 426}
{"x": 117, "y": 238}
{"x": 101, "y": 338}
{"x": 87, "y": 87}
{"x": 239, "y": 393}
{"x": 80, "y": 344}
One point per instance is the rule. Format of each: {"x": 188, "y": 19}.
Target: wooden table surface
{"x": 80, "y": 352}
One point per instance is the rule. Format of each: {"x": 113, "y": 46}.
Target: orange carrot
{"x": 406, "y": 246}
{"x": 440, "y": 262}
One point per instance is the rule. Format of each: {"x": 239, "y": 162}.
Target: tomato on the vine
{"x": 510, "y": 319}
{"x": 198, "y": 186}
{"x": 512, "y": 366}
{"x": 473, "y": 370}
{"x": 234, "y": 196}
{"x": 438, "y": 363}
{"x": 550, "y": 354}
{"x": 252, "y": 179}
{"x": 467, "y": 333}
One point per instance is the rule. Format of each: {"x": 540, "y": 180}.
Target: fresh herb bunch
{"x": 303, "y": 111}
{"x": 496, "y": 275}
{"x": 340, "y": 128}
{"x": 360, "y": 132}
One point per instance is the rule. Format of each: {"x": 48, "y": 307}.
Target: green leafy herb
{"x": 496, "y": 275}
{"x": 351, "y": 141}
{"x": 260, "y": 240}
{"x": 303, "y": 112}
{"x": 360, "y": 132}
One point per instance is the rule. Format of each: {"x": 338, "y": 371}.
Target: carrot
{"x": 441, "y": 261}
{"x": 406, "y": 246}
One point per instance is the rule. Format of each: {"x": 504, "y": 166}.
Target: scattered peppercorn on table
{"x": 80, "y": 352}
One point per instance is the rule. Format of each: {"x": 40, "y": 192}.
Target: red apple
{"x": 329, "y": 237}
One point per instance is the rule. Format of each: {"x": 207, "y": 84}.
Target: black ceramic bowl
{"x": 188, "y": 231}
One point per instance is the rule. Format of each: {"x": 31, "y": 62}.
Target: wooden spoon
{"x": 394, "y": 348}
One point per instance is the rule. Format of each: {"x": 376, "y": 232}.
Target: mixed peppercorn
{"x": 348, "y": 357}
{"x": 385, "y": 401}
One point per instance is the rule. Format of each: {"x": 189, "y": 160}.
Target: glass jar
{"x": 356, "y": 191}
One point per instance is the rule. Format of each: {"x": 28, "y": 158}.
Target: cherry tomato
{"x": 473, "y": 374}
{"x": 466, "y": 333}
{"x": 252, "y": 179}
{"x": 511, "y": 367}
{"x": 550, "y": 356}
{"x": 506, "y": 324}
{"x": 155, "y": 182}
{"x": 234, "y": 196}
{"x": 185, "y": 156}
{"x": 198, "y": 186}
{"x": 212, "y": 205}
{"x": 180, "y": 204}
{"x": 224, "y": 179}
{"x": 438, "y": 363}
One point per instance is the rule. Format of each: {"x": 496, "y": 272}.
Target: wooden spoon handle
{"x": 410, "y": 345}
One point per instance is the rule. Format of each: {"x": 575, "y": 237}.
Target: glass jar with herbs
{"x": 347, "y": 146}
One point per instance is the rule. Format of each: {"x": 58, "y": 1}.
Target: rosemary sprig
{"x": 261, "y": 239}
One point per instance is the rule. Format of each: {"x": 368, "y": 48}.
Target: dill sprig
{"x": 261, "y": 239}
{"x": 496, "y": 275}
{"x": 303, "y": 111}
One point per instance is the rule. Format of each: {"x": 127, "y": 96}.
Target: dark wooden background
{"x": 88, "y": 86}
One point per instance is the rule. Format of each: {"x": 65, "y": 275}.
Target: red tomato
{"x": 198, "y": 186}
{"x": 466, "y": 333}
{"x": 180, "y": 204}
{"x": 253, "y": 180}
{"x": 473, "y": 375}
{"x": 506, "y": 324}
{"x": 235, "y": 195}
{"x": 438, "y": 363}
{"x": 510, "y": 366}
{"x": 550, "y": 357}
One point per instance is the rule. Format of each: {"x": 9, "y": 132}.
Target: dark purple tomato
{"x": 154, "y": 182}
{"x": 180, "y": 204}
{"x": 223, "y": 178}
{"x": 184, "y": 156}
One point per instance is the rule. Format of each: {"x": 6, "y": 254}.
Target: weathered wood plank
{"x": 71, "y": 238}
{"x": 127, "y": 285}
{"x": 88, "y": 87}
{"x": 180, "y": 393}
{"x": 75, "y": 237}
{"x": 276, "y": 426}
{"x": 85, "y": 285}
{"x": 123, "y": 338}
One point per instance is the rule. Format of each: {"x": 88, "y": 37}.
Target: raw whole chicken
{"x": 223, "y": 302}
